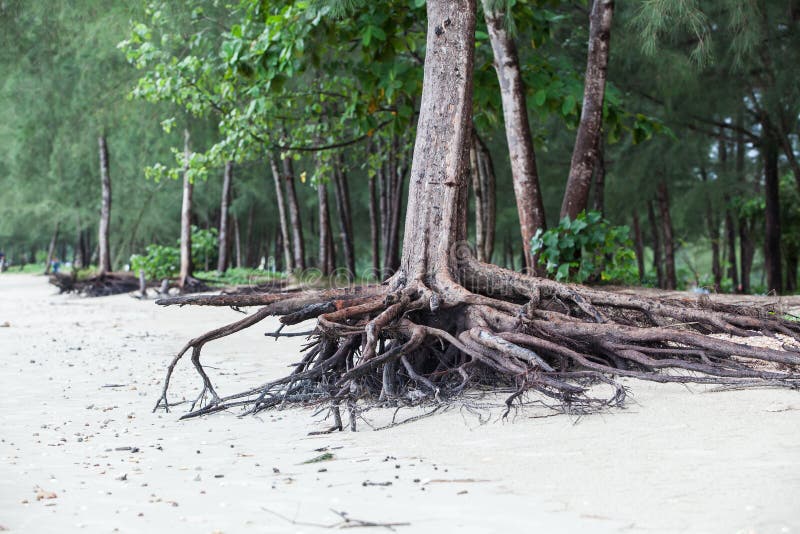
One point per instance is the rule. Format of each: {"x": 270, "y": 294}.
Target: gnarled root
{"x": 405, "y": 342}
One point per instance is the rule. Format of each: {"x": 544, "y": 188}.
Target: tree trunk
{"x": 599, "y": 203}
{"x": 772, "y": 218}
{"x": 730, "y": 235}
{"x": 298, "y": 246}
{"x": 791, "y": 271}
{"x": 342, "y": 196}
{"x": 713, "y": 234}
{"x": 374, "y": 230}
{"x": 283, "y": 225}
{"x": 326, "y": 262}
{"x": 51, "y": 249}
{"x": 250, "y": 250}
{"x": 104, "y": 259}
{"x": 584, "y": 154}
{"x": 638, "y": 245}
{"x": 225, "y": 202}
{"x": 187, "y": 269}
{"x": 237, "y": 242}
{"x": 530, "y": 207}
{"x": 436, "y": 222}
{"x": 655, "y": 229}
{"x": 671, "y": 281}
{"x": 483, "y": 186}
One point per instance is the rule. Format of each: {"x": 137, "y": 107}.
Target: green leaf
{"x": 540, "y": 97}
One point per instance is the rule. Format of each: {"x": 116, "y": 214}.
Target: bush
{"x": 165, "y": 262}
{"x": 588, "y": 249}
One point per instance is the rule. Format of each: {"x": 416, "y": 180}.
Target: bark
{"x": 436, "y": 220}
{"x": 298, "y": 246}
{"x": 772, "y": 237}
{"x": 655, "y": 229}
{"x": 325, "y": 259}
{"x": 51, "y": 249}
{"x": 342, "y": 197}
{"x": 747, "y": 249}
{"x": 227, "y": 178}
{"x": 282, "y": 224}
{"x": 250, "y": 249}
{"x": 187, "y": 269}
{"x": 713, "y": 233}
{"x": 530, "y": 207}
{"x": 584, "y": 155}
{"x": 104, "y": 259}
{"x": 638, "y": 245}
{"x": 791, "y": 270}
{"x": 670, "y": 279}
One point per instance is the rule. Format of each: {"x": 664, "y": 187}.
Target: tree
{"x": 104, "y": 257}
{"x": 187, "y": 268}
{"x": 445, "y": 320}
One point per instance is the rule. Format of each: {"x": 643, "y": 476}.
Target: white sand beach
{"x": 81, "y": 450}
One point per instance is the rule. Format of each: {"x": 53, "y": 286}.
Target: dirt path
{"x": 80, "y": 377}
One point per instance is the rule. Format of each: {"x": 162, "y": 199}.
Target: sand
{"x": 82, "y": 452}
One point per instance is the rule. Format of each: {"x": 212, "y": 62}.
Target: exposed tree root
{"x": 411, "y": 341}
{"x": 96, "y": 286}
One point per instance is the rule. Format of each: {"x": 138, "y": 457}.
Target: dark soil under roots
{"x": 432, "y": 340}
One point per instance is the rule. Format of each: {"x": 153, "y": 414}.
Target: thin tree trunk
{"x": 483, "y": 186}
{"x": 298, "y": 246}
{"x": 530, "y": 207}
{"x": 655, "y": 229}
{"x": 283, "y": 225}
{"x": 51, "y": 249}
{"x": 325, "y": 238}
{"x": 599, "y": 202}
{"x": 250, "y": 250}
{"x": 671, "y": 281}
{"x": 730, "y": 235}
{"x": 342, "y": 197}
{"x": 791, "y": 271}
{"x": 374, "y": 229}
{"x": 104, "y": 260}
{"x": 187, "y": 269}
{"x": 237, "y": 242}
{"x": 227, "y": 178}
{"x": 772, "y": 237}
{"x": 713, "y": 233}
{"x": 584, "y": 155}
{"x": 638, "y": 245}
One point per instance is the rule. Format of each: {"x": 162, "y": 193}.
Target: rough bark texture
{"x": 104, "y": 258}
{"x": 670, "y": 279}
{"x": 599, "y": 178}
{"x": 530, "y": 207}
{"x": 446, "y": 321}
{"x": 225, "y": 202}
{"x": 282, "y": 224}
{"x": 584, "y": 154}
{"x": 298, "y": 246}
{"x": 772, "y": 218}
{"x": 186, "y": 219}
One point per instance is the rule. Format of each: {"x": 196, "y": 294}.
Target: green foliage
{"x": 587, "y": 249}
{"x": 160, "y": 261}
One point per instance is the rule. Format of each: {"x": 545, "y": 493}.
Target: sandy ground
{"x": 81, "y": 450}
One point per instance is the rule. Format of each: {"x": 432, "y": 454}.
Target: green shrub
{"x": 161, "y": 261}
{"x": 588, "y": 249}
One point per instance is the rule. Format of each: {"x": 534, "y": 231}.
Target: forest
{"x": 294, "y": 123}
{"x": 436, "y": 176}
